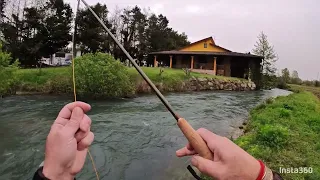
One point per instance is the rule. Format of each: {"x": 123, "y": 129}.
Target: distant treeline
{"x": 293, "y": 78}
{"x": 44, "y": 28}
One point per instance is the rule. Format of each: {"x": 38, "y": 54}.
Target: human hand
{"x": 68, "y": 141}
{"x": 230, "y": 161}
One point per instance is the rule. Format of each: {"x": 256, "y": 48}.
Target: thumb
{"x": 206, "y": 166}
{"x": 73, "y": 124}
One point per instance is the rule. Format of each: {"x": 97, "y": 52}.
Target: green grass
{"x": 285, "y": 133}
{"x": 36, "y": 80}
{"x": 299, "y": 88}
{"x": 35, "y": 76}
{"x": 47, "y": 80}
{"x": 172, "y": 76}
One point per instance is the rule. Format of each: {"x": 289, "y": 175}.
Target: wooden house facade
{"x": 206, "y": 57}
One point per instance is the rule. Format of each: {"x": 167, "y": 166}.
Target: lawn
{"x": 40, "y": 77}
{"x": 36, "y": 80}
{"x": 178, "y": 74}
{"x": 314, "y": 90}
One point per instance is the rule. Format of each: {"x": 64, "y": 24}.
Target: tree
{"x": 285, "y": 75}
{"x": 132, "y": 32}
{"x": 2, "y": 6}
{"x": 115, "y": 21}
{"x": 264, "y": 49}
{"x": 295, "y": 77}
{"x": 139, "y": 32}
{"x": 161, "y": 37}
{"x": 12, "y": 41}
{"x": 43, "y": 28}
{"x": 55, "y": 33}
{"x": 42, "y": 31}
{"x": 2, "y": 16}
{"x": 90, "y": 34}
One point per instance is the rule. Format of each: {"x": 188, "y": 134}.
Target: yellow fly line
{"x": 74, "y": 87}
{"x": 193, "y": 137}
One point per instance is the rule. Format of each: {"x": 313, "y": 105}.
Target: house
{"x": 206, "y": 56}
{"x": 62, "y": 58}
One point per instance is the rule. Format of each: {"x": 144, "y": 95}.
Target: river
{"x": 134, "y": 138}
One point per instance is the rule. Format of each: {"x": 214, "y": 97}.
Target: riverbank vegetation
{"x": 300, "y": 88}
{"x": 102, "y": 75}
{"x": 7, "y": 70}
{"x": 292, "y": 81}
{"x": 284, "y": 132}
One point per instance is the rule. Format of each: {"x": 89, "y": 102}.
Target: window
{"x": 205, "y": 45}
{"x": 60, "y": 54}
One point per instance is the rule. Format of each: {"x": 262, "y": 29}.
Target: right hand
{"x": 230, "y": 161}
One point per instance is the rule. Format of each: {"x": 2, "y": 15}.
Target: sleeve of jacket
{"x": 38, "y": 175}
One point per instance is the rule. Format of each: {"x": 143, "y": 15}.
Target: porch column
{"x": 170, "y": 61}
{"x": 155, "y": 61}
{"x": 227, "y": 70}
{"x": 191, "y": 62}
{"x": 215, "y": 65}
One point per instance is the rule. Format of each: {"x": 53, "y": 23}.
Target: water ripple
{"x": 134, "y": 138}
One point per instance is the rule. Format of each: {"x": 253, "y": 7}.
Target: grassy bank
{"x": 58, "y": 80}
{"x": 285, "y": 132}
{"x": 299, "y": 88}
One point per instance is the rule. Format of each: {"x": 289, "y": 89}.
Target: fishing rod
{"x": 193, "y": 137}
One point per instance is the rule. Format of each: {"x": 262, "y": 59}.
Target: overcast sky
{"x": 292, "y": 26}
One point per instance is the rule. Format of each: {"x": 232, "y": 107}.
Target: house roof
{"x": 234, "y": 54}
{"x": 205, "y": 39}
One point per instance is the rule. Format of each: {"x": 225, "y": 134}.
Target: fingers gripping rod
{"x": 193, "y": 137}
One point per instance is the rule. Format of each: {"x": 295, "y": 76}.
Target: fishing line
{"x": 74, "y": 84}
{"x": 193, "y": 137}
{"x": 145, "y": 77}
{"x": 75, "y": 99}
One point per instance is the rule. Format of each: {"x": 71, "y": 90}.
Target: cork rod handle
{"x": 195, "y": 139}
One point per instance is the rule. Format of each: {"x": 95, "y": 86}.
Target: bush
{"x": 59, "y": 85}
{"x": 273, "y": 136}
{"x": 281, "y": 84}
{"x": 7, "y": 78}
{"x": 101, "y": 75}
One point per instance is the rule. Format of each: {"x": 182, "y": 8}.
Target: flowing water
{"x": 134, "y": 138}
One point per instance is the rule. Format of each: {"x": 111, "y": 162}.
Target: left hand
{"x": 68, "y": 141}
